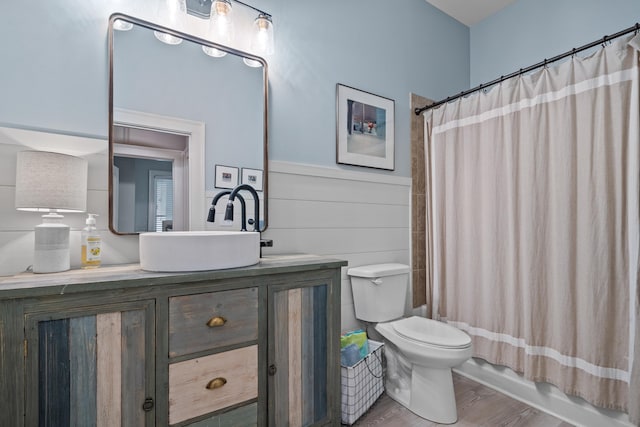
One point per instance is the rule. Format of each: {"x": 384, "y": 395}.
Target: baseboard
{"x": 542, "y": 396}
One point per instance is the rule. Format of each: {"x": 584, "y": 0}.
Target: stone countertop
{"x": 131, "y": 275}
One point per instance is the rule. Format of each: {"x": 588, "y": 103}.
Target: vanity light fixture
{"x": 262, "y": 39}
{"x": 176, "y": 11}
{"x": 221, "y": 23}
{"x": 221, "y": 26}
{"x": 51, "y": 183}
{"x": 221, "y": 30}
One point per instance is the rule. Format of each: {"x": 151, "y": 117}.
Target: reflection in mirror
{"x": 175, "y": 113}
{"x": 147, "y": 167}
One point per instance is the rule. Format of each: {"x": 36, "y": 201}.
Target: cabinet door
{"x": 89, "y": 367}
{"x": 303, "y": 358}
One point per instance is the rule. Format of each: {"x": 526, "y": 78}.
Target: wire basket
{"x": 362, "y": 383}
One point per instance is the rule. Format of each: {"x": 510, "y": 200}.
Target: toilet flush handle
{"x": 377, "y": 281}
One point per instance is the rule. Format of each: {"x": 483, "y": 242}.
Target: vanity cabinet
{"x": 87, "y": 365}
{"x": 120, "y": 346}
{"x": 302, "y": 390}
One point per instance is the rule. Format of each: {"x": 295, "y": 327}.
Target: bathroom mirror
{"x": 174, "y": 114}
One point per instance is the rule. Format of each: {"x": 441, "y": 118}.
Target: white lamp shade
{"x": 50, "y": 181}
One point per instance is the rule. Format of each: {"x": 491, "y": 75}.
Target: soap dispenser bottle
{"x": 90, "y": 244}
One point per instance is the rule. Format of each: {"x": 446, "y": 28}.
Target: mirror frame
{"x": 198, "y": 40}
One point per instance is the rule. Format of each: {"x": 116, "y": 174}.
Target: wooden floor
{"x": 477, "y": 406}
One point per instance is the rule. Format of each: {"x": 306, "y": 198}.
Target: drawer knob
{"x": 216, "y": 383}
{"x": 272, "y": 370}
{"x": 216, "y": 321}
{"x": 148, "y": 404}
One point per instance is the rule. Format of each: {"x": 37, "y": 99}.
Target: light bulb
{"x": 221, "y": 7}
{"x": 262, "y": 41}
{"x": 221, "y": 22}
{"x": 176, "y": 12}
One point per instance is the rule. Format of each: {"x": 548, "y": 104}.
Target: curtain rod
{"x": 544, "y": 63}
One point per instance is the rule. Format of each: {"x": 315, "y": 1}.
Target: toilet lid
{"x": 431, "y": 332}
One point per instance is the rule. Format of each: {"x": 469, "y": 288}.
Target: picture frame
{"x": 226, "y": 177}
{"x": 365, "y": 133}
{"x": 253, "y": 177}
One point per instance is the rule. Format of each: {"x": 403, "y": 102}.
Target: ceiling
{"x": 470, "y": 12}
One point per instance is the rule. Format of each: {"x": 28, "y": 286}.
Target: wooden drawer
{"x": 189, "y": 396}
{"x": 189, "y": 315}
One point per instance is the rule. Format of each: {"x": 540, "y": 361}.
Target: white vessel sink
{"x": 198, "y": 250}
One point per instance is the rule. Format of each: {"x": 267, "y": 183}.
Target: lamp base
{"x": 51, "y": 253}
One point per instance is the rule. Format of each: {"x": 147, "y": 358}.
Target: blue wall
{"x": 54, "y": 66}
{"x": 386, "y": 48}
{"x": 529, "y": 31}
{"x": 54, "y": 59}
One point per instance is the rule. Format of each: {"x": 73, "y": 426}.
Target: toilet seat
{"x": 431, "y": 332}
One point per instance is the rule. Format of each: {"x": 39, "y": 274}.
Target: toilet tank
{"x": 379, "y": 291}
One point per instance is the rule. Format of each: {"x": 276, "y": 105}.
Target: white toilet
{"x": 420, "y": 352}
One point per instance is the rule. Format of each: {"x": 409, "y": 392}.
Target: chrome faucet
{"x": 228, "y": 215}
{"x": 212, "y": 210}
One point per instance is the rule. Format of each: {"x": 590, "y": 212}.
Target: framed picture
{"x": 365, "y": 133}
{"x": 226, "y": 177}
{"x": 253, "y": 177}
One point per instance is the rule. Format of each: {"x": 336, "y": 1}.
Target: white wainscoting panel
{"x": 361, "y": 217}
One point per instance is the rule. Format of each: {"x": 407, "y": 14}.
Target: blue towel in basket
{"x": 350, "y": 355}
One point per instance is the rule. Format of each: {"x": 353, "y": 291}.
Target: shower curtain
{"x": 535, "y": 210}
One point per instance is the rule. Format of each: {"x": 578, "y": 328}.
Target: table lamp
{"x": 51, "y": 183}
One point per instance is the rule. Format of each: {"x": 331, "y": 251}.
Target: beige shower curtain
{"x": 535, "y": 203}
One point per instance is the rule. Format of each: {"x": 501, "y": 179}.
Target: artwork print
{"x": 365, "y": 134}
